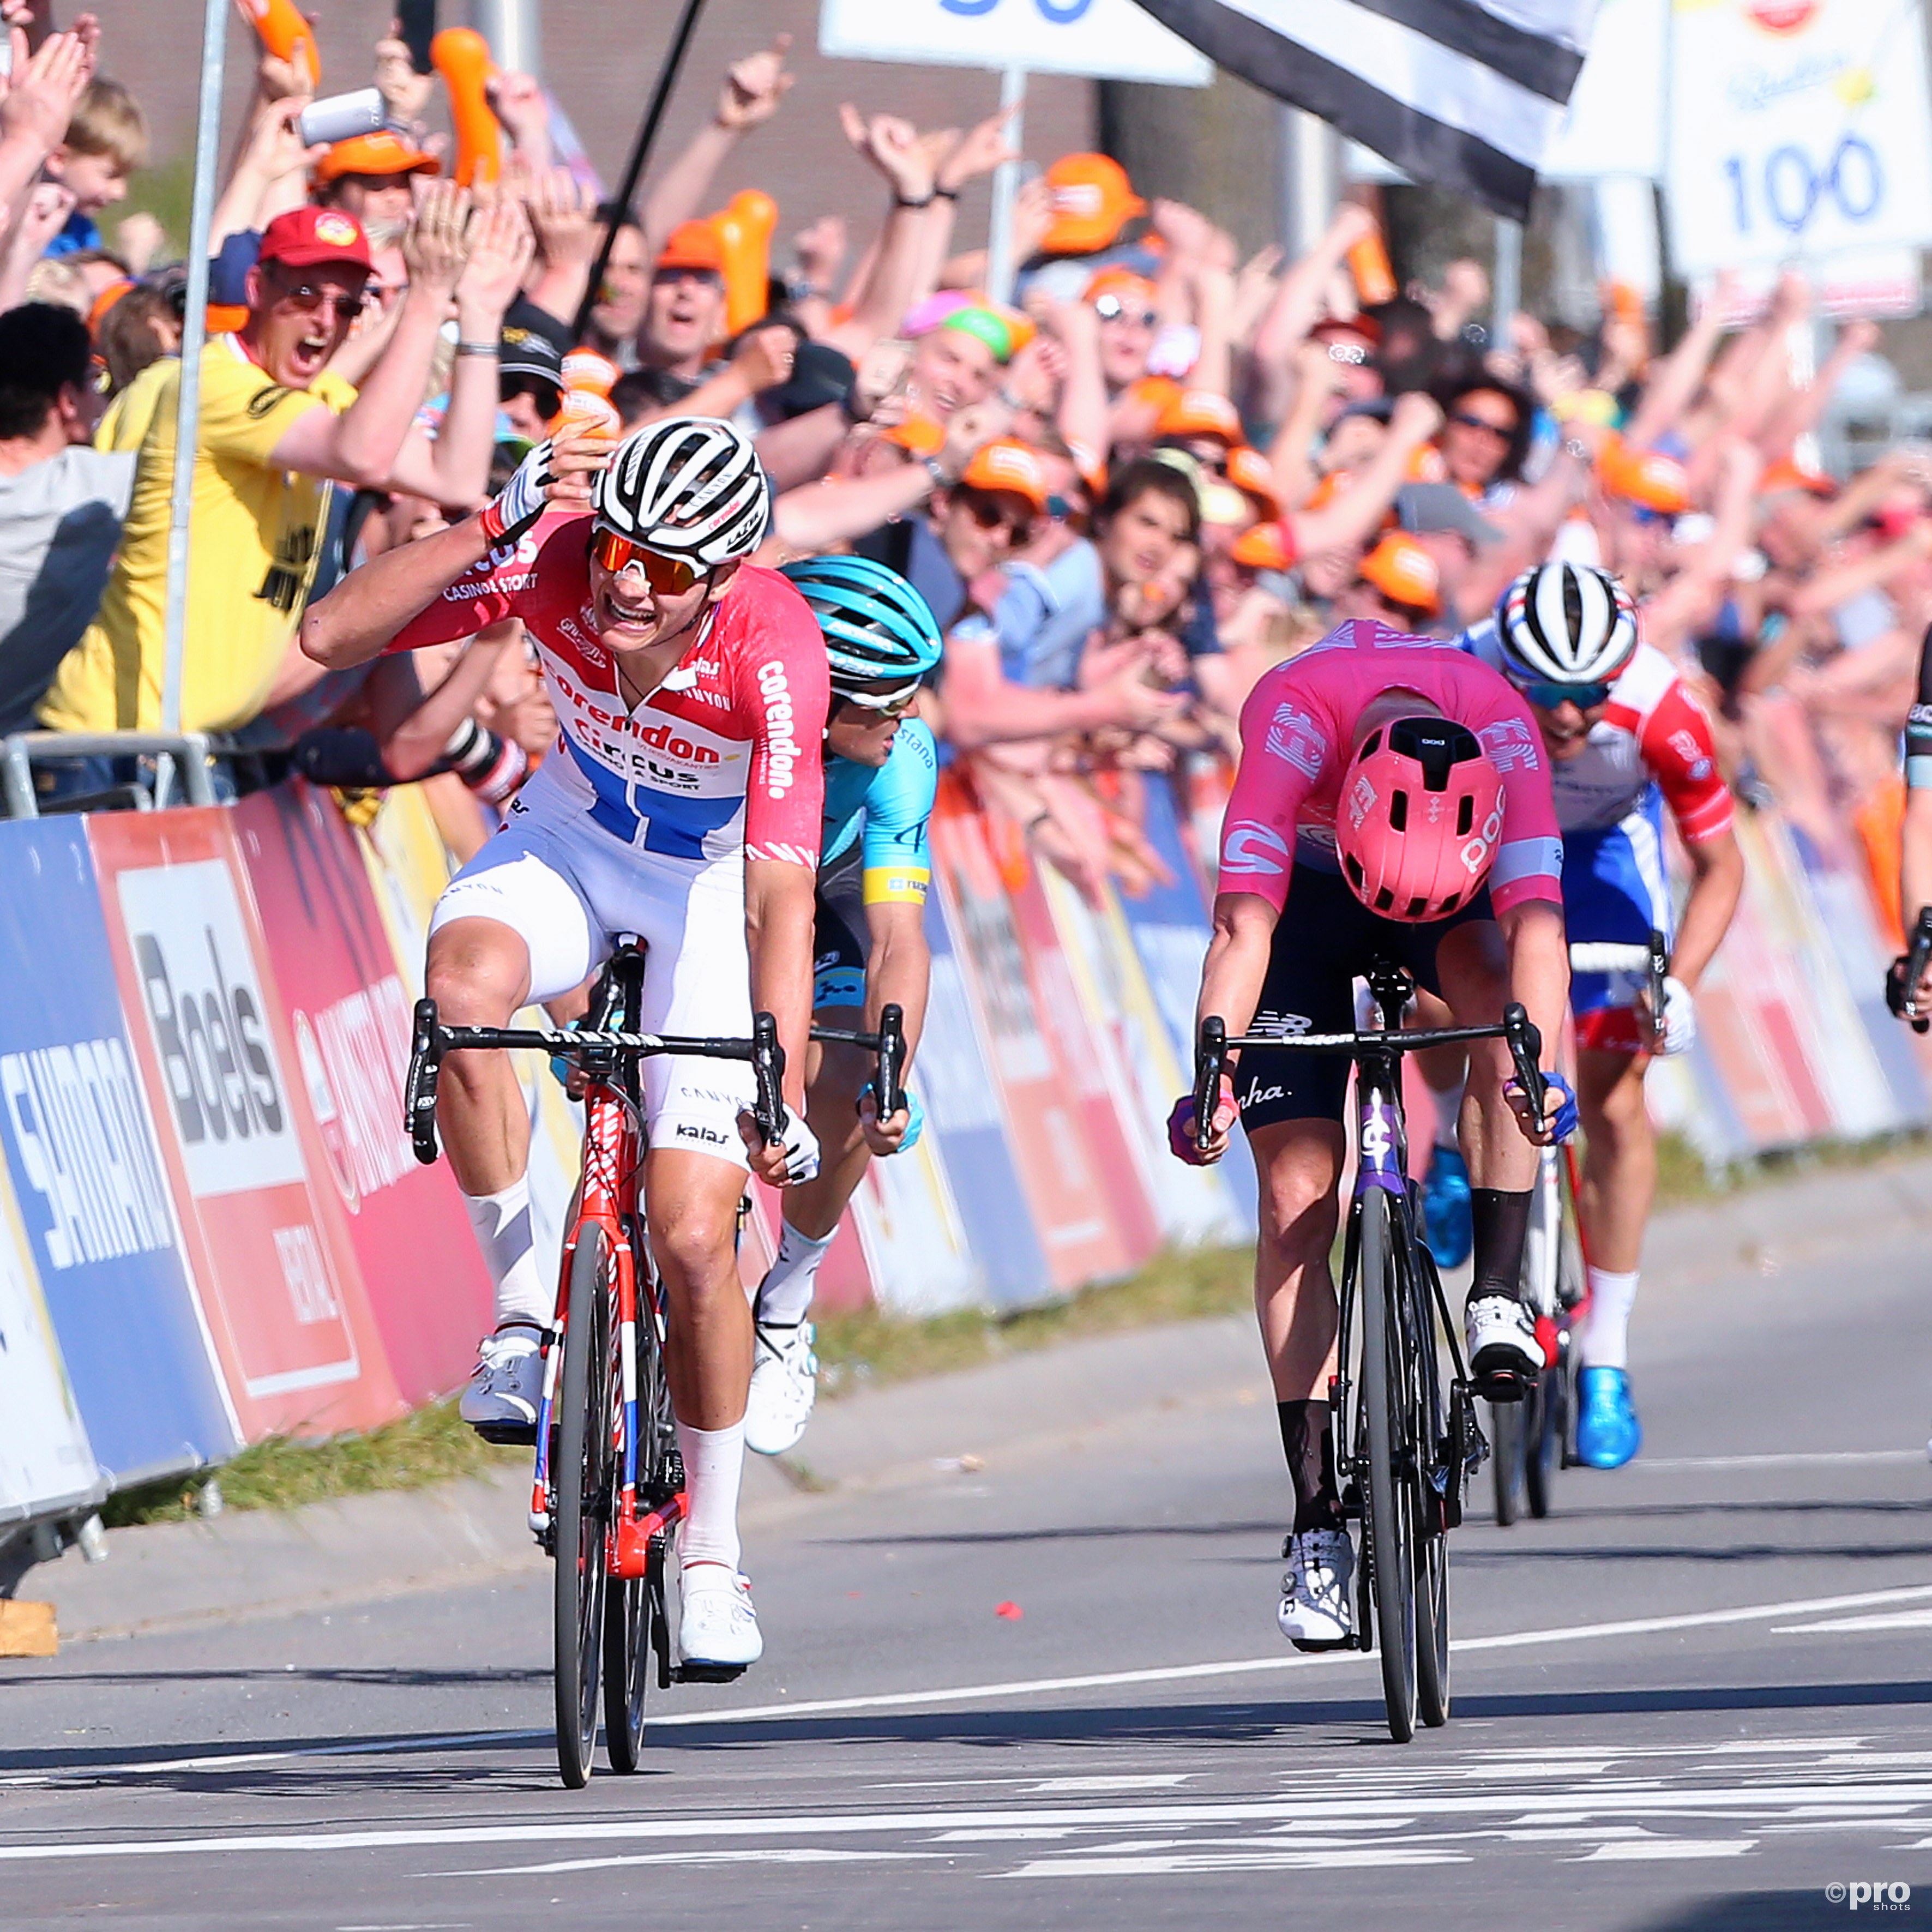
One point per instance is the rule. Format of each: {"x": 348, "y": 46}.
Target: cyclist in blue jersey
{"x": 868, "y": 949}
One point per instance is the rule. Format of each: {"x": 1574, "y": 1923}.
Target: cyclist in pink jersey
{"x": 683, "y": 805}
{"x": 1393, "y": 802}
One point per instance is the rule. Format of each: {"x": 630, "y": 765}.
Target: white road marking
{"x": 1884, "y": 1620}
{"x": 1628, "y": 1850}
{"x": 1795, "y": 1459}
{"x": 1017, "y": 1687}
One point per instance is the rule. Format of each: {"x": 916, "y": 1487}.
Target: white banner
{"x": 1799, "y": 129}
{"x": 1104, "y": 40}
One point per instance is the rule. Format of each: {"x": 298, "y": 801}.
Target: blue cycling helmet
{"x": 877, "y": 626}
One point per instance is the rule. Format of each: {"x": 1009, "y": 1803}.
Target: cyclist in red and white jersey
{"x": 683, "y": 806}
{"x": 1393, "y": 802}
{"x": 1625, "y": 739}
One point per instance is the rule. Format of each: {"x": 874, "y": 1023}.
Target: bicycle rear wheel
{"x": 582, "y": 1480}
{"x": 1435, "y": 1458}
{"x": 1390, "y": 1518}
{"x": 632, "y": 1619}
{"x": 1506, "y": 1469}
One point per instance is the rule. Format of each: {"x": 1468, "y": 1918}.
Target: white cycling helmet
{"x": 690, "y": 487}
{"x": 1567, "y": 623}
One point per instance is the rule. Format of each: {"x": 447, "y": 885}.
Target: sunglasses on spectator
{"x": 1111, "y": 308}
{"x": 990, "y": 513}
{"x": 1504, "y": 431}
{"x": 312, "y": 300}
{"x": 887, "y": 703}
{"x": 668, "y": 576}
{"x": 1551, "y": 697}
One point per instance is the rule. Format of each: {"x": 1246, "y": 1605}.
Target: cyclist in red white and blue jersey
{"x": 1625, "y": 740}
{"x": 869, "y": 949}
{"x": 683, "y": 805}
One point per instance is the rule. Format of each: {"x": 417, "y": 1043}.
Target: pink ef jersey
{"x": 1298, "y": 735}
{"x": 724, "y": 756}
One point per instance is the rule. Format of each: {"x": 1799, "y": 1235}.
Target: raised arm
{"x": 1349, "y": 518}
{"x": 753, "y": 89}
{"x": 893, "y": 147}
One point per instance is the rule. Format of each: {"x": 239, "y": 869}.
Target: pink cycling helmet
{"x": 1420, "y": 814}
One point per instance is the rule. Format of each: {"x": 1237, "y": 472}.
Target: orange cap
{"x": 1644, "y": 477}
{"x": 1404, "y": 572}
{"x": 585, "y": 369}
{"x": 587, "y": 413}
{"x": 1266, "y": 547}
{"x": 105, "y": 300}
{"x": 1122, "y": 282}
{"x": 923, "y": 435}
{"x": 1093, "y": 201}
{"x": 1786, "y": 474}
{"x": 1249, "y": 472}
{"x": 693, "y": 244}
{"x": 1425, "y": 464}
{"x": 381, "y": 153}
{"x": 1004, "y": 464}
{"x": 1200, "y": 412}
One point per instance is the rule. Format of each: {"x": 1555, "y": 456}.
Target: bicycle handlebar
{"x": 431, "y": 1040}
{"x": 888, "y": 1045}
{"x": 1918, "y": 956}
{"x": 1213, "y": 1045}
{"x": 1651, "y": 957}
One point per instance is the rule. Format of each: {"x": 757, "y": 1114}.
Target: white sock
{"x": 1448, "y": 1113}
{"x": 784, "y": 1295}
{"x": 502, "y": 1225}
{"x": 1606, "y": 1335}
{"x": 714, "y": 1462}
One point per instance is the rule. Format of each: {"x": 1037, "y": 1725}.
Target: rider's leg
{"x": 1471, "y": 969}
{"x": 1619, "y": 1182}
{"x": 691, "y": 1206}
{"x": 813, "y": 1208}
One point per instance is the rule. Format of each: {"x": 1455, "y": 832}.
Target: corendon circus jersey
{"x": 1298, "y": 736}
{"x": 724, "y": 758}
{"x": 642, "y": 821}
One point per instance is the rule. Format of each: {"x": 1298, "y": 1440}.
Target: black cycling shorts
{"x": 1324, "y": 942}
{"x": 839, "y": 949}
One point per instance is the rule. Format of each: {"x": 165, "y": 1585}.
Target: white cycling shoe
{"x": 785, "y": 1385}
{"x": 1504, "y": 1352}
{"x": 717, "y": 1627}
{"x": 505, "y": 1386}
{"x": 1317, "y": 1608}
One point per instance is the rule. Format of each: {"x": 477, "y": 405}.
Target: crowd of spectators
{"x": 1157, "y": 470}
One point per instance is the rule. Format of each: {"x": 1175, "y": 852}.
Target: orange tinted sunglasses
{"x": 668, "y": 576}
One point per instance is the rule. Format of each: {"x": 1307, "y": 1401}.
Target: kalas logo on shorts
{"x": 207, "y": 1021}
{"x": 1781, "y": 17}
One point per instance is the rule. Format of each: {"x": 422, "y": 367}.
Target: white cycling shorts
{"x": 565, "y": 887}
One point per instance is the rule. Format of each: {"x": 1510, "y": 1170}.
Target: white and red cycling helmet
{"x": 1420, "y": 818}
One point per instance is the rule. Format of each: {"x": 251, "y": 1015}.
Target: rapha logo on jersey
{"x": 1293, "y": 737}
{"x": 780, "y": 744}
{"x": 1511, "y": 745}
{"x": 208, "y": 1020}
{"x": 1257, "y": 1094}
{"x": 1249, "y": 850}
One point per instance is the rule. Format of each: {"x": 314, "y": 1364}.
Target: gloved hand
{"x": 915, "y": 1115}
{"x": 1680, "y": 1017}
{"x": 787, "y": 1160}
{"x": 1897, "y": 993}
{"x": 1558, "y": 1125}
{"x": 523, "y": 499}
{"x": 1180, "y": 1137}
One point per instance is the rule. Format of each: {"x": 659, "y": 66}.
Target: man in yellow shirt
{"x": 276, "y": 429}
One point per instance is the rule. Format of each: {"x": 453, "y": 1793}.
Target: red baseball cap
{"x": 306, "y": 236}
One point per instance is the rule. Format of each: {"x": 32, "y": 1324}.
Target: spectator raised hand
{"x": 754, "y": 87}
{"x": 978, "y": 151}
{"x": 523, "y": 108}
{"x": 37, "y": 97}
{"x": 405, "y": 93}
{"x": 48, "y": 206}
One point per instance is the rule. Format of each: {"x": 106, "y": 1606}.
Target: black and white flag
{"x": 1466, "y": 93}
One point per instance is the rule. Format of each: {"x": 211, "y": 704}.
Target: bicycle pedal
{"x": 1316, "y": 1645}
{"x": 706, "y": 1673}
{"x": 1505, "y": 1387}
{"x": 508, "y": 1434}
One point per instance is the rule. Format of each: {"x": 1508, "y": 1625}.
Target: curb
{"x": 256, "y": 1563}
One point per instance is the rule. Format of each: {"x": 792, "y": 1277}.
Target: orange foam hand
{"x": 462, "y": 56}
{"x": 284, "y": 33}
{"x": 744, "y": 232}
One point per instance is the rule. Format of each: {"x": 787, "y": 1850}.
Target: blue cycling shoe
{"x": 1608, "y": 1433}
{"x": 1446, "y": 1220}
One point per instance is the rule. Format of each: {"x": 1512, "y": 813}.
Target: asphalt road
{"x": 1696, "y": 1698}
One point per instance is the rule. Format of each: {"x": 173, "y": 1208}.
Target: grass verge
{"x": 871, "y": 1348}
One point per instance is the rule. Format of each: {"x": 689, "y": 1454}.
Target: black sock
{"x": 1499, "y": 1221}
{"x": 1308, "y": 1440}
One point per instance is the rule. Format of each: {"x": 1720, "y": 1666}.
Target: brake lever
{"x": 1917, "y": 958}
{"x": 1660, "y": 973}
{"x": 1211, "y": 1063}
{"x": 419, "y": 1089}
{"x": 768, "y": 1062}
{"x": 886, "y": 1085}
{"x": 1525, "y": 1045}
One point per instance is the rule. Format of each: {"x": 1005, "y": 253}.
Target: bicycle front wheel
{"x": 582, "y": 1484}
{"x": 1390, "y": 1521}
{"x": 1506, "y": 1466}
